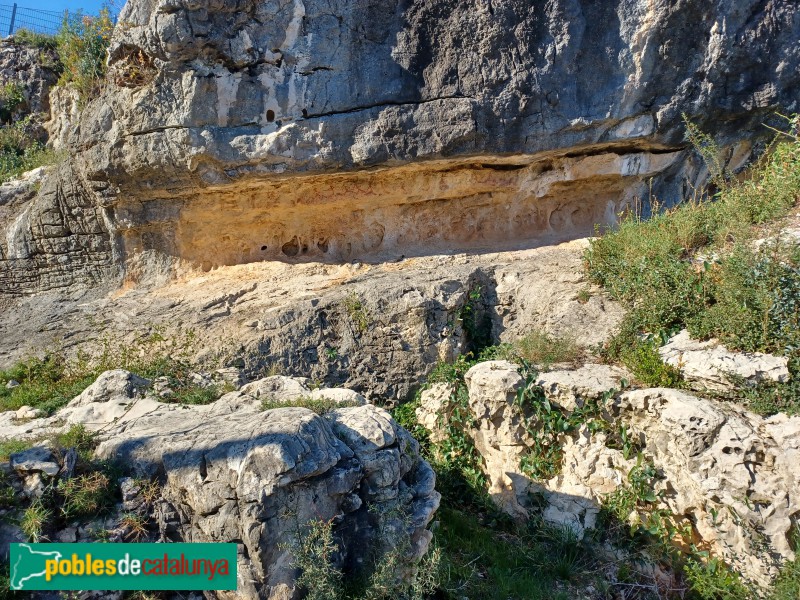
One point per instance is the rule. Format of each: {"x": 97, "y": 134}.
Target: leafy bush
{"x": 644, "y": 362}
{"x": 12, "y": 95}
{"x": 696, "y": 266}
{"x": 645, "y": 263}
{"x": 787, "y": 585}
{"x": 82, "y": 45}
{"x": 712, "y": 579}
{"x": 314, "y": 550}
{"x": 357, "y": 312}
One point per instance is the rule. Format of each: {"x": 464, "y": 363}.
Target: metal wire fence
{"x": 14, "y": 17}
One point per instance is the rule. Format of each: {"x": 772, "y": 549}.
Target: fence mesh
{"x": 14, "y": 17}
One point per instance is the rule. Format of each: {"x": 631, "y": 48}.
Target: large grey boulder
{"x": 232, "y": 472}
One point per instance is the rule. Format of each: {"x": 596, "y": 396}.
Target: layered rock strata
{"x": 303, "y": 130}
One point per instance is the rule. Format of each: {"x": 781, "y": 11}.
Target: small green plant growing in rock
{"x": 639, "y": 491}
{"x": 708, "y": 149}
{"x": 313, "y": 552}
{"x": 149, "y": 489}
{"x": 85, "y": 495}
{"x": 8, "y": 496}
{"x": 78, "y": 437}
{"x": 12, "y": 95}
{"x": 136, "y": 526}
{"x": 357, "y": 312}
{"x": 476, "y": 321}
{"x": 645, "y": 363}
{"x": 542, "y": 350}
{"x": 35, "y": 519}
{"x": 456, "y": 458}
{"x": 320, "y": 406}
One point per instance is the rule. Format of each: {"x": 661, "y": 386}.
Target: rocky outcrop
{"x": 448, "y": 126}
{"x": 64, "y": 116}
{"x": 729, "y": 474}
{"x": 33, "y": 72}
{"x": 710, "y": 366}
{"x": 377, "y": 329}
{"x": 571, "y": 388}
{"x": 234, "y": 473}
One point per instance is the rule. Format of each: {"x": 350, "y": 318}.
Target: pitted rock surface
{"x": 710, "y": 366}
{"x": 728, "y": 472}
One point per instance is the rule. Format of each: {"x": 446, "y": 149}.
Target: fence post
{"x": 13, "y": 18}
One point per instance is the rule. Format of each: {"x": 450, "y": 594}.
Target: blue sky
{"x": 88, "y": 6}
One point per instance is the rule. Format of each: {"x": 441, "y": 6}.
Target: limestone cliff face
{"x": 239, "y": 131}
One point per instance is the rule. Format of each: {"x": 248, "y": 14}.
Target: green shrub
{"x": 32, "y": 39}
{"x": 771, "y": 398}
{"x": 357, "y": 312}
{"x": 82, "y": 45}
{"x": 696, "y": 266}
{"x": 712, "y": 579}
{"x": 12, "y": 95}
{"x": 544, "y": 350}
{"x": 313, "y": 553}
{"x": 787, "y": 585}
{"x": 476, "y": 321}
{"x": 314, "y": 550}
{"x": 644, "y": 362}
{"x": 77, "y": 437}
